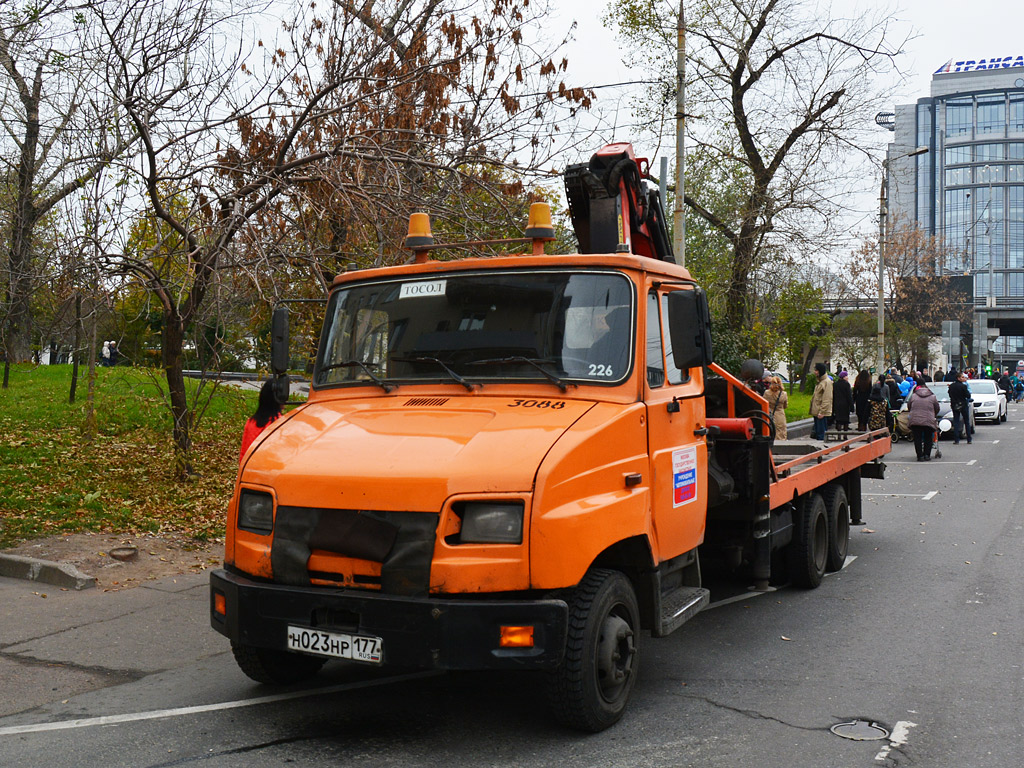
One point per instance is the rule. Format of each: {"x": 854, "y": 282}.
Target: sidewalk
{"x": 56, "y": 643}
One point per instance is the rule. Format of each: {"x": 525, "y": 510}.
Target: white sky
{"x": 940, "y": 30}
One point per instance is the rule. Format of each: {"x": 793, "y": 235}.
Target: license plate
{"x": 335, "y": 644}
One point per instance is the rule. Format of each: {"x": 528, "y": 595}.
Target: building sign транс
{"x": 1005, "y": 62}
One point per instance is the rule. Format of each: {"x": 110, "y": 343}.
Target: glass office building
{"x": 969, "y": 187}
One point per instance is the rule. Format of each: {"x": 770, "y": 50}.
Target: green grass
{"x": 799, "y": 405}
{"x": 54, "y": 479}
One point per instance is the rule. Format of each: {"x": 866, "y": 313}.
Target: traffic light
{"x": 988, "y": 369}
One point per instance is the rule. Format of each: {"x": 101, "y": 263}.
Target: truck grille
{"x": 401, "y": 542}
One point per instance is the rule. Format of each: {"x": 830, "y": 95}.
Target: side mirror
{"x": 282, "y": 388}
{"x": 689, "y": 328}
{"x": 279, "y": 354}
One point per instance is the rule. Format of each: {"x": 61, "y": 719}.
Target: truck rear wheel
{"x": 809, "y": 549}
{"x": 838, "y": 510}
{"x": 590, "y": 688}
{"x": 273, "y": 667}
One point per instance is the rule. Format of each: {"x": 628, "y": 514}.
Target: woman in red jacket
{"x": 267, "y": 411}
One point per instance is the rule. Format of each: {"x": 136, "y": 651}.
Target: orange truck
{"x": 521, "y": 463}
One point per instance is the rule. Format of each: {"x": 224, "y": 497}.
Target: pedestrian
{"x": 1005, "y": 385}
{"x": 266, "y": 412}
{"x": 777, "y": 402}
{"x": 821, "y": 401}
{"x": 925, "y": 377}
{"x": 880, "y": 405}
{"x": 895, "y": 397}
{"x": 842, "y": 402}
{"x": 960, "y": 402}
{"x": 114, "y": 354}
{"x": 924, "y": 410}
{"x": 952, "y": 375}
{"x": 105, "y": 354}
{"x": 862, "y": 399}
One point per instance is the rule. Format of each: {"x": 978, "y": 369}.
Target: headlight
{"x": 492, "y": 523}
{"x": 256, "y": 512}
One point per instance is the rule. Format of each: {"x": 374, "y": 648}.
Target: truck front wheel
{"x": 589, "y": 690}
{"x": 273, "y": 667}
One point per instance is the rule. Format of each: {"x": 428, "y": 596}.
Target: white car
{"x": 989, "y": 400}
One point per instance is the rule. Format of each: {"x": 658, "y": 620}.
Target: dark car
{"x": 941, "y": 390}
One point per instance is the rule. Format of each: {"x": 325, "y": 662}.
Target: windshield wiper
{"x": 366, "y": 369}
{"x": 535, "y": 362}
{"x": 449, "y": 371}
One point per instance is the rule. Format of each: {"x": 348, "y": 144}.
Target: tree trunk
{"x": 173, "y": 353}
{"x": 77, "y": 347}
{"x": 737, "y": 309}
{"x": 89, "y": 427}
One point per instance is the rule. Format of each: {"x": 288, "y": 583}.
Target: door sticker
{"x": 684, "y": 476}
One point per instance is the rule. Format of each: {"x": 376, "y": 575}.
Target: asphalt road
{"x": 920, "y": 633}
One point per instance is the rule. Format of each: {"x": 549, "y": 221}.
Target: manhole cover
{"x": 860, "y": 730}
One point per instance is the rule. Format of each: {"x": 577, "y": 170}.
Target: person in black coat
{"x": 895, "y": 398}
{"x": 842, "y": 402}
{"x": 862, "y": 399}
{"x": 960, "y": 403}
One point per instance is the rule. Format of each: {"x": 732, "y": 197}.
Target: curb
{"x": 46, "y": 571}
{"x": 801, "y": 428}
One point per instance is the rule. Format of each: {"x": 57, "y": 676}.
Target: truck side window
{"x": 675, "y": 375}
{"x": 655, "y": 362}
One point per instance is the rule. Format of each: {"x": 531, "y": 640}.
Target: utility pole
{"x": 678, "y": 217}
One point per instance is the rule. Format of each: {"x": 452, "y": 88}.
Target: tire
{"x": 590, "y": 688}
{"x": 273, "y": 667}
{"x": 838, "y": 510}
{"x": 809, "y": 550}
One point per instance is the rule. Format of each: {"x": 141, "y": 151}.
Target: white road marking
{"x": 994, "y": 442}
{"x": 909, "y": 495}
{"x": 941, "y": 461}
{"x": 929, "y": 496}
{"x": 899, "y": 737}
{"x": 159, "y": 714}
{"x": 972, "y": 462}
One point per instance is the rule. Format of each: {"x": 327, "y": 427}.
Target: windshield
{"x": 477, "y": 327}
{"x": 982, "y": 386}
{"x": 941, "y": 391}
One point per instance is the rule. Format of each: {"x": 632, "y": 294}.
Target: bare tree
{"x": 57, "y": 134}
{"x": 917, "y": 297}
{"x": 341, "y": 130}
{"x": 781, "y": 93}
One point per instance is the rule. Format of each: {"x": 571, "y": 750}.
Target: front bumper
{"x": 425, "y": 633}
{"x": 986, "y": 411}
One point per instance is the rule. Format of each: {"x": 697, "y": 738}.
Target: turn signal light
{"x": 516, "y": 637}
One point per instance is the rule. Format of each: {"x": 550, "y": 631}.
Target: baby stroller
{"x": 899, "y": 426}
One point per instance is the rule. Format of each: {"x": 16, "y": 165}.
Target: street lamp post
{"x": 883, "y": 213}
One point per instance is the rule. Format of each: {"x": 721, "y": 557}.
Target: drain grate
{"x": 860, "y": 730}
